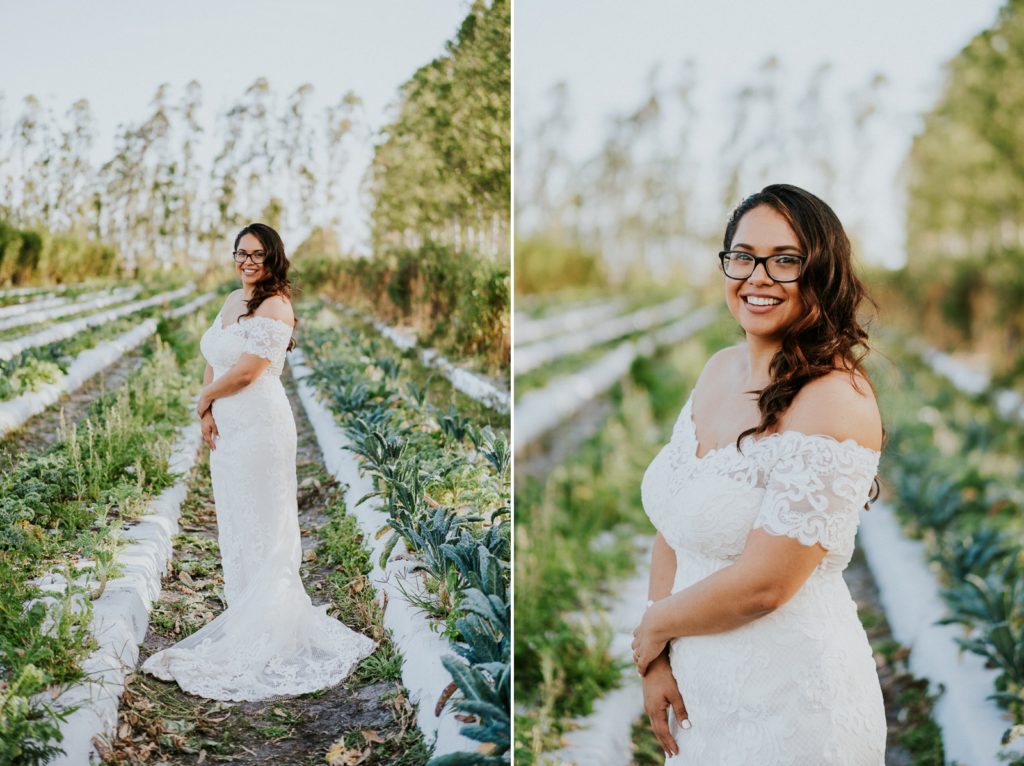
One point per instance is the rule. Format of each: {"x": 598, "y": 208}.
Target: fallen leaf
{"x": 371, "y": 736}
{"x": 340, "y": 755}
{"x": 185, "y": 577}
{"x": 125, "y": 731}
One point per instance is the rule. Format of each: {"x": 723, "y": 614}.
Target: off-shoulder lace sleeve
{"x": 266, "y": 337}
{"x": 816, "y": 489}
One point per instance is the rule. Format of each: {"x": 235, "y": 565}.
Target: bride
{"x": 751, "y": 641}
{"x": 270, "y": 640}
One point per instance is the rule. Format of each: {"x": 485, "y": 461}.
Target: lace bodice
{"x": 807, "y": 487}
{"x": 798, "y": 686}
{"x": 261, "y": 336}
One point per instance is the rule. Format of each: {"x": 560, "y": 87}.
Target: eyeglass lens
{"x": 781, "y": 268}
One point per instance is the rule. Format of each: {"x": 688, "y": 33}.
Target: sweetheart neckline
{"x": 750, "y": 438}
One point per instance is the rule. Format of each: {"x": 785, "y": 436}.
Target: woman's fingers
{"x": 659, "y": 725}
{"x": 676, "y": 700}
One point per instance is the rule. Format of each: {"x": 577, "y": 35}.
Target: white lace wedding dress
{"x": 798, "y": 687}
{"x": 270, "y": 640}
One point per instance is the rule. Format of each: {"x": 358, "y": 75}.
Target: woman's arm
{"x": 208, "y": 375}
{"x": 245, "y": 371}
{"x": 663, "y": 569}
{"x": 767, "y": 574}
{"x": 659, "y": 684}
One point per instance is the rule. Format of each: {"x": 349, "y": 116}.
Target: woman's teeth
{"x": 757, "y": 300}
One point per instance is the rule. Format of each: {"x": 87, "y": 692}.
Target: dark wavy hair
{"x": 275, "y": 266}
{"x": 828, "y": 336}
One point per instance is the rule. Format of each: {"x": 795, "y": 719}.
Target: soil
{"x": 158, "y": 722}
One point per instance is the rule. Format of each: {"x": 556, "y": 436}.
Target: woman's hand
{"x": 647, "y": 645}
{"x": 204, "y": 404}
{"x": 209, "y": 428}
{"x": 660, "y": 693}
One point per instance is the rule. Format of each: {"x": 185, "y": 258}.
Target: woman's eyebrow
{"x": 775, "y": 249}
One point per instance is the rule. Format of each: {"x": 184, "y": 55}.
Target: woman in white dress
{"x": 270, "y": 640}
{"x": 751, "y": 649}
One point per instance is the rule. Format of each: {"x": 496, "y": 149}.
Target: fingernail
{"x": 686, "y": 723}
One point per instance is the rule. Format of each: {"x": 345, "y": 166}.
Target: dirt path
{"x": 367, "y": 718}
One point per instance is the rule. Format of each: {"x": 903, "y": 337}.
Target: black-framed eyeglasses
{"x": 240, "y": 255}
{"x": 784, "y": 267}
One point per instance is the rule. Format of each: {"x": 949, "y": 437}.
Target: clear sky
{"x": 116, "y": 52}
{"x": 604, "y": 50}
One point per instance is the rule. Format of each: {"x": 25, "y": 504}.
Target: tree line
{"x": 442, "y": 173}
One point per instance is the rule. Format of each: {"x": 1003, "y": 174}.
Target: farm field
{"x": 436, "y": 547}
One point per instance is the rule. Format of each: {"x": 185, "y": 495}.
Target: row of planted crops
{"x": 953, "y": 472}
{"x": 438, "y": 460}
{"x": 66, "y": 503}
{"x": 441, "y": 465}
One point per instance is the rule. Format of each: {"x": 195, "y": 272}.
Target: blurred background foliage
{"x": 628, "y": 217}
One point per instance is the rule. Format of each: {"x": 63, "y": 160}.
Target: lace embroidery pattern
{"x": 799, "y": 686}
{"x": 267, "y": 338}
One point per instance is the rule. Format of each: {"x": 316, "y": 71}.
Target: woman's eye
{"x": 742, "y": 258}
{"x": 787, "y": 260}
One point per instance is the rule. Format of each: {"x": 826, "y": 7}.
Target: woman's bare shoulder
{"x": 721, "y": 365}
{"x": 276, "y": 307}
{"x": 839, "y": 404}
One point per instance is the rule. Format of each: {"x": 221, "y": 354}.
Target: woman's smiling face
{"x": 250, "y": 273}
{"x": 762, "y": 306}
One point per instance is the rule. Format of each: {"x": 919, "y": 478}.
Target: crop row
{"x": 39, "y": 366}
{"x": 63, "y": 330}
{"x": 67, "y": 504}
{"x": 953, "y": 472}
{"x": 469, "y": 383}
{"x": 441, "y": 477}
{"x": 85, "y": 303}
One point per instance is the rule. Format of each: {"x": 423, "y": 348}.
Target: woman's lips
{"x": 753, "y": 308}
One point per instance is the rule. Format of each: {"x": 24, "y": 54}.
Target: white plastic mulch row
{"x": 535, "y": 355}
{"x": 80, "y": 305}
{"x": 16, "y": 309}
{"x": 972, "y": 726}
{"x": 421, "y": 648}
{"x": 15, "y": 412}
{"x": 120, "y": 616}
{"x": 16, "y": 291}
{"x": 470, "y": 384}
{"x": 604, "y": 738}
{"x": 970, "y": 380}
{"x": 542, "y": 410}
{"x": 529, "y": 330}
{"x": 58, "y": 332}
